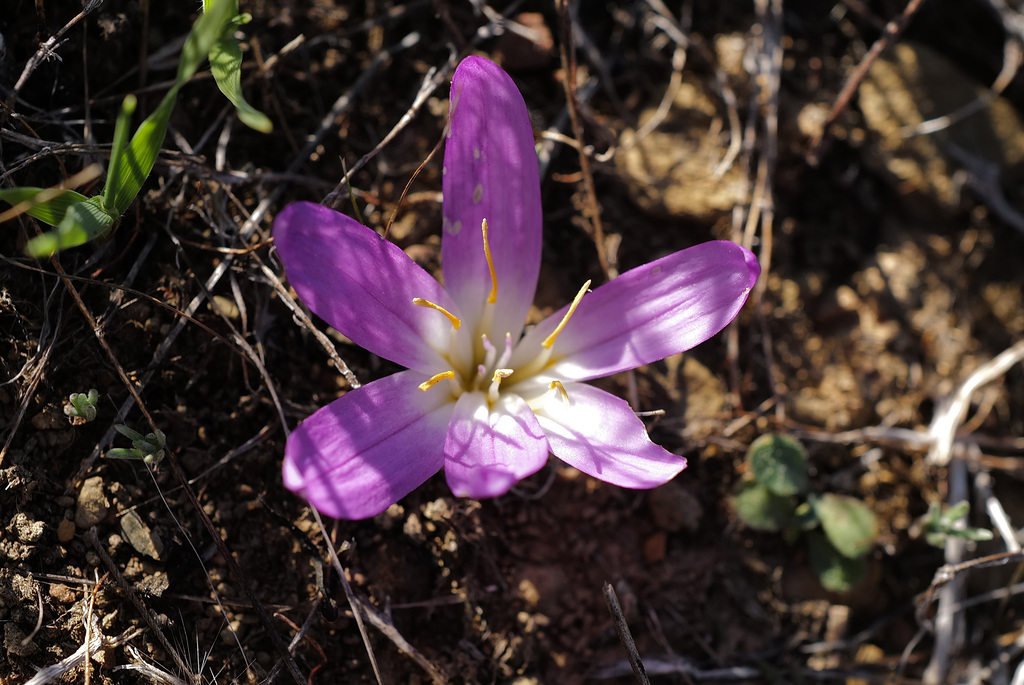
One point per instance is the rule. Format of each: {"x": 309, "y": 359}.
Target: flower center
{"x": 486, "y": 365}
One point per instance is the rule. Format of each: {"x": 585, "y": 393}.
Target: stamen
{"x": 557, "y": 385}
{"x": 550, "y": 340}
{"x": 420, "y": 302}
{"x": 435, "y": 379}
{"x": 493, "y": 297}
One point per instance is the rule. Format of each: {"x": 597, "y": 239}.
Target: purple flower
{"x": 480, "y": 399}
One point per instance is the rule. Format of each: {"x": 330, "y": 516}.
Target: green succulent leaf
{"x": 50, "y": 204}
{"x": 850, "y": 524}
{"x": 780, "y": 463}
{"x": 835, "y": 571}
{"x": 761, "y": 509}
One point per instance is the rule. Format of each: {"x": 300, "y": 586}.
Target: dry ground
{"x": 893, "y": 271}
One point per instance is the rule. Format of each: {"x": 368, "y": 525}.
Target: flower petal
{"x": 363, "y": 285}
{"x": 366, "y": 450}
{"x": 649, "y": 313}
{"x": 488, "y": 450}
{"x": 600, "y": 435}
{"x": 490, "y": 172}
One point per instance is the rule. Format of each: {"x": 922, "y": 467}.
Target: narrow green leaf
{"x": 850, "y": 524}
{"x": 146, "y": 143}
{"x": 226, "y": 65}
{"x": 138, "y": 159}
{"x": 779, "y": 462}
{"x": 762, "y": 509}
{"x": 836, "y": 572}
{"x": 51, "y": 203}
{"x": 111, "y": 188}
{"x": 82, "y": 222}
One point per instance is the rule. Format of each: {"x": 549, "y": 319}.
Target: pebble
{"x": 674, "y": 509}
{"x": 66, "y": 530}
{"x": 140, "y": 536}
{"x": 62, "y": 593}
{"x": 93, "y": 504}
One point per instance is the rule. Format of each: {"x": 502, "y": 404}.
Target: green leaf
{"x": 82, "y": 222}
{"x": 132, "y": 168}
{"x": 836, "y": 572}
{"x": 144, "y": 148}
{"x": 112, "y": 187}
{"x": 850, "y": 524}
{"x": 226, "y": 65}
{"x": 779, "y": 462}
{"x": 50, "y": 203}
{"x": 762, "y": 509}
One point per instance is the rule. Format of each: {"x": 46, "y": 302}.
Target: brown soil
{"x": 895, "y": 271}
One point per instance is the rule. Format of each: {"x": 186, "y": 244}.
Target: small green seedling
{"x": 938, "y": 525}
{"x": 80, "y": 407}
{"x": 80, "y": 219}
{"x": 769, "y": 499}
{"x": 149, "y": 447}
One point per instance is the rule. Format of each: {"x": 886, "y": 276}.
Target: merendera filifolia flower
{"x": 480, "y": 399}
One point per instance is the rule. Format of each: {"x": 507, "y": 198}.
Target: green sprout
{"x": 938, "y": 525}
{"x": 775, "y": 497}
{"x": 80, "y": 407}
{"x": 149, "y": 447}
{"x": 80, "y": 219}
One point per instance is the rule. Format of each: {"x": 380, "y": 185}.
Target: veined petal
{"x": 488, "y": 450}
{"x": 363, "y": 285}
{"x": 490, "y": 172}
{"x": 366, "y": 450}
{"x": 649, "y": 313}
{"x": 600, "y": 435}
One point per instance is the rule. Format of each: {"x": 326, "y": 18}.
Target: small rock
{"x": 48, "y": 419}
{"x": 66, "y": 530}
{"x": 140, "y": 536}
{"x": 655, "y": 547}
{"x": 26, "y": 529}
{"x": 93, "y": 504}
{"x": 674, "y": 509}
{"x": 62, "y": 593}
{"x": 155, "y": 584}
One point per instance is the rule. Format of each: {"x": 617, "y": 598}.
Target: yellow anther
{"x": 501, "y": 373}
{"x": 557, "y": 385}
{"x": 493, "y": 297}
{"x": 435, "y": 379}
{"x": 420, "y": 302}
{"x": 550, "y": 340}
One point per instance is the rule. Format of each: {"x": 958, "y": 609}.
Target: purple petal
{"x": 366, "y": 450}
{"x": 600, "y": 435}
{"x": 490, "y": 172}
{"x": 363, "y": 285}
{"x": 650, "y": 312}
{"x": 488, "y": 450}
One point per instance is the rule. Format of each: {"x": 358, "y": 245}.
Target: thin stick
{"x": 952, "y": 410}
{"x": 625, "y": 637}
{"x": 893, "y": 29}
{"x": 568, "y": 58}
{"x": 93, "y": 538}
{"x": 352, "y": 601}
{"x": 47, "y": 48}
